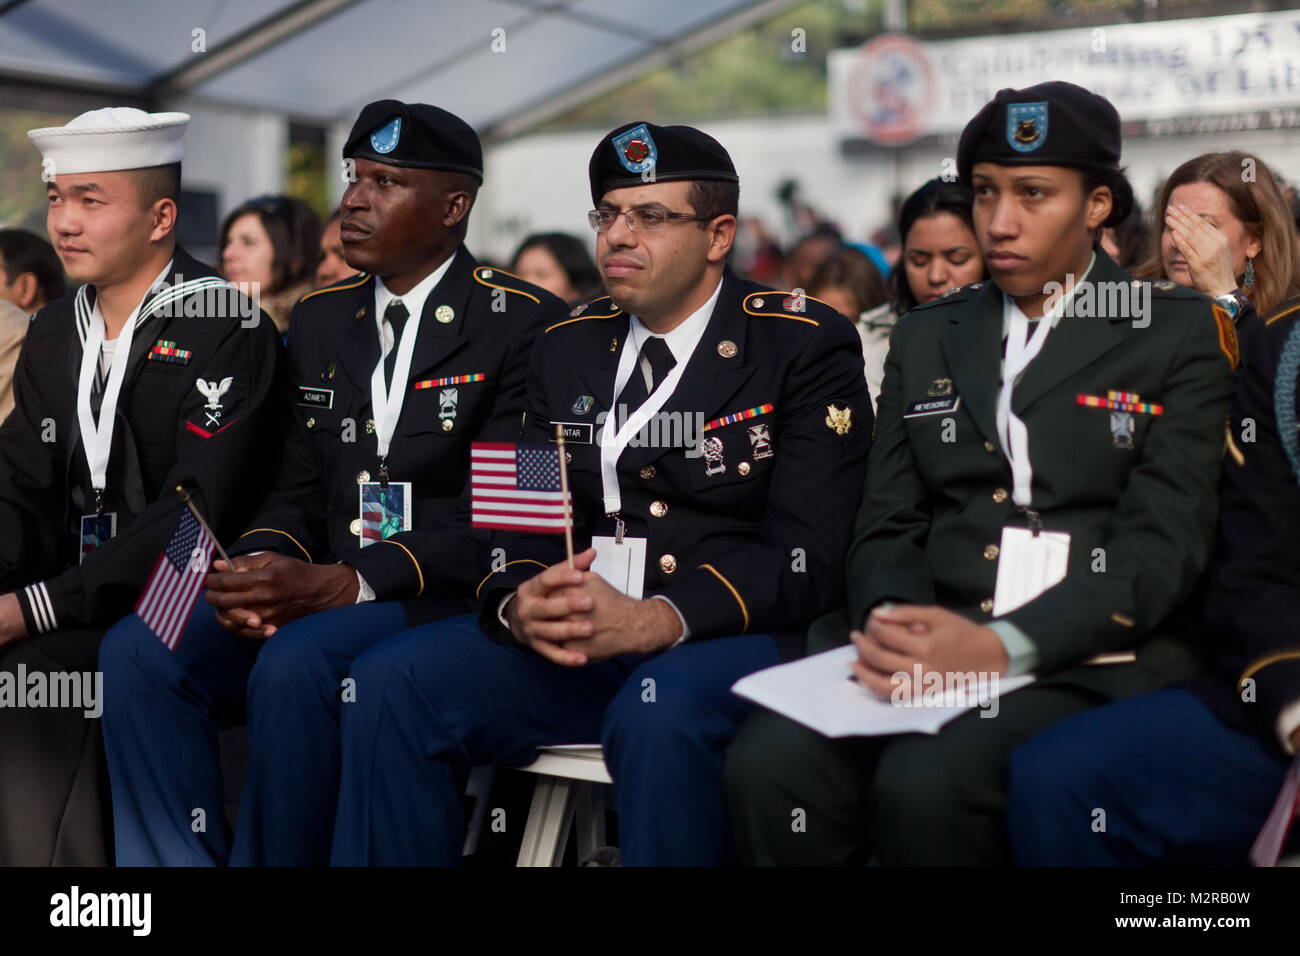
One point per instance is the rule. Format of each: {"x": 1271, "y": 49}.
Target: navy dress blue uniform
{"x": 190, "y": 330}
{"x": 466, "y": 383}
{"x": 744, "y": 539}
{"x": 1187, "y": 775}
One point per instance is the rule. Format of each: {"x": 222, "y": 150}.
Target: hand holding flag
{"x": 178, "y": 575}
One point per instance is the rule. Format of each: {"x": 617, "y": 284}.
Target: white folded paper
{"x": 817, "y": 692}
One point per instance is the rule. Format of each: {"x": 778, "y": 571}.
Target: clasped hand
{"x": 898, "y": 639}
{"x": 571, "y": 615}
{"x": 256, "y": 594}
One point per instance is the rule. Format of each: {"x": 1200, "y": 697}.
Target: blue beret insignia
{"x": 384, "y": 139}
{"x": 636, "y": 149}
{"x": 1026, "y": 126}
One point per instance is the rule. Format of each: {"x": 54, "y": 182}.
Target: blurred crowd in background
{"x": 279, "y": 243}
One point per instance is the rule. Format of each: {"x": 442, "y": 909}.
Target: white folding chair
{"x": 568, "y": 793}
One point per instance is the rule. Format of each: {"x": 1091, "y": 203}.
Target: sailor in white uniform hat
{"x": 109, "y": 417}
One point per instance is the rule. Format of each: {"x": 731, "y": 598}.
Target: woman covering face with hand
{"x": 1227, "y": 232}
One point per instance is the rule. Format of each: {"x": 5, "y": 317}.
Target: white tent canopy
{"x": 500, "y": 64}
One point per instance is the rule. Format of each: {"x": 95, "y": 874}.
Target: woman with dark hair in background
{"x": 273, "y": 241}
{"x": 939, "y": 252}
{"x": 939, "y": 247}
{"x": 1227, "y": 232}
{"x": 559, "y": 263}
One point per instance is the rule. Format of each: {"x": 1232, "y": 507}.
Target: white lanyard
{"x": 1011, "y": 430}
{"x": 97, "y": 437}
{"x": 387, "y": 403}
{"x": 611, "y": 443}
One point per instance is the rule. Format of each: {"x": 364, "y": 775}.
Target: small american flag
{"x": 517, "y": 487}
{"x": 176, "y": 580}
{"x": 1272, "y": 838}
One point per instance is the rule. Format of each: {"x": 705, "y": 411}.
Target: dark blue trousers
{"x": 162, "y": 713}
{"x": 439, "y": 699}
{"x": 1176, "y": 785}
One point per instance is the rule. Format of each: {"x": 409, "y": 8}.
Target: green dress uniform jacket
{"x": 1136, "y": 489}
{"x": 1137, "y": 494}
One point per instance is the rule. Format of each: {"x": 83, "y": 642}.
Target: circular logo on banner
{"x": 891, "y": 88}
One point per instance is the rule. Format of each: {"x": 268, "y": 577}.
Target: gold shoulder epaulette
{"x": 1282, "y": 313}
{"x": 1257, "y": 665}
{"x": 786, "y": 305}
{"x": 602, "y": 308}
{"x": 357, "y": 280}
{"x": 493, "y": 278}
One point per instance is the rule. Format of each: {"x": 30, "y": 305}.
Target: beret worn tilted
{"x": 1051, "y": 124}
{"x": 639, "y": 153}
{"x": 416, "y": 136}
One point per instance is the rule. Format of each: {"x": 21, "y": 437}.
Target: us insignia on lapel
{"x": 582, "y": 404}
{"x": 839, "y": 420}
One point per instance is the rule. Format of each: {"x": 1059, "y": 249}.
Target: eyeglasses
{"x": 649, "y": 218}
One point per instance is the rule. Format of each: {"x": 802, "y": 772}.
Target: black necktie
{"x": 656, "y": 352}
{"x": 395, "y": 315}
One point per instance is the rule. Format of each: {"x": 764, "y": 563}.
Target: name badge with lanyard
{"x": 97, "y": 436}
{"x": 620, "y": 560}
{"x": 385, "y": 506}
{"x": 1029, "y": 560}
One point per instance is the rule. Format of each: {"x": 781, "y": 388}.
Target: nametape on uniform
{"x": 1121, "y": 402}
{"x": 316, "y": 397}
{"x": 451, "y": 380}
{"x": 580, "y": 433}
{"x": 932, "y": 406}
{"x": 739, "y": 416}
{"x": 166, "y": 351}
